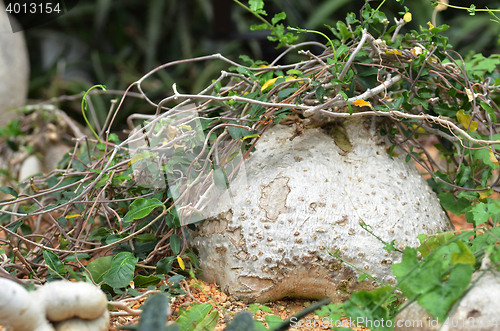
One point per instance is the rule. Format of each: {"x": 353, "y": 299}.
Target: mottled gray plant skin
{"x": 305, "y": 198}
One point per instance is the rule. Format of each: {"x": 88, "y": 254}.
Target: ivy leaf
{"x": 483, "y": 211}
{"x": 366, "y": 306}
{"x": 332, "y": 312}
{"x": 141, "y": 208}
{"x": 198, "y": 318}
{"x": 122, "y": 269}
{"x": 439, "y": 300}
{"x": 401, "y": 269}
{"x": 457, "y": 207}
{"x": 485, "y": 154}
{"x": 389, "y": 247}
{"x": 465, "y": 256}
{"x": 429, "y": 243}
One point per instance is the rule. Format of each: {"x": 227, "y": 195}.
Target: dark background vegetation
{"x": 116, "y": 42}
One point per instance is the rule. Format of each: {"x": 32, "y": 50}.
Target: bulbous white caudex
{"x": 56, "y": 306}
{"x": 304, "y": 198}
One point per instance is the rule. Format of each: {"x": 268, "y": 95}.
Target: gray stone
{"x": 306, "y": 198}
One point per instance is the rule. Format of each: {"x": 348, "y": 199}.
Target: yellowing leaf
{"x": 251, "y": 136}
{"x": 407, "y": 17}
{"x": 181, "y": 263}
{"x": 493, "y": 158}
{"x": 72, "y": 216}
{"x": 136, "y": 158}
{"x": 420, "y": 129}
{"x": 362, "y": 103}
{"x": 431, "y": 26}
{"x": 433, "y": 60}
{"x": 486, "y": 193}
{"x": 470, "y": 95}
{"x": 172, "y": 131}
{"x": 269, "y": 83}
{"x": 393, "y": 52}
{"x": 185, "y": 126}
{"x": 263, "y": 66}
{"x": 179, "y": 146}
{"x": 394, "y": 154}
{"x": 464, "y": 119}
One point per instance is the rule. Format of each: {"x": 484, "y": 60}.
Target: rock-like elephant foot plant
{"x": 305, "y": 198}
{"x": 56, "y": 306}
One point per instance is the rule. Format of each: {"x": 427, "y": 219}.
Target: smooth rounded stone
{"x": 14, "y": 67}
{"x": 478, "y": 310}
{"x": 304, "y": 199}
{"x": 30, "y": 167}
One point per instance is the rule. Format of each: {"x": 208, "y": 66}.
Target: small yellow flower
{"x": 431, "y": 26}
{"x": 407, "y": 17}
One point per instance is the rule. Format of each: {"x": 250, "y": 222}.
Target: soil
{"x": 228, "y": 307}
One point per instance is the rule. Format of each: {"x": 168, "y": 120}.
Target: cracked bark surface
{"x": 302, "y": 199}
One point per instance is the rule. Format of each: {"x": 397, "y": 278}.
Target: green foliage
{"x": 99, "y": 267}
{"x": 85, "y": 107}
{"x": 198, "y": 317}
{"x": 141, "y": 208}
{"x": 278, "y": 32}
{"x": 367, "y": 308}
{"x": 9, "y": 190}
{"x": 146, "y": 244}
{"x": 121, "y": 272}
